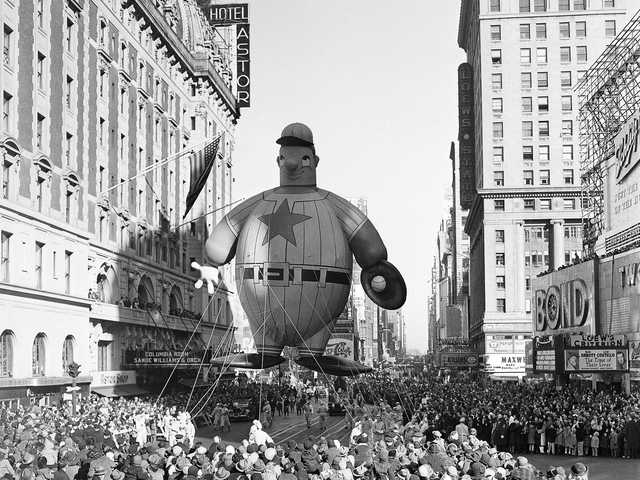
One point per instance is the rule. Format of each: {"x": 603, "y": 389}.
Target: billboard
{"x": 634, "y": 356}
{"x": 165, "y": 358}
{"x": 544, "y": 354}
{"x": 340, "y": 345}
{"x": 622, "y": 188}
{"x": 563, "y": 300}
{"x": 506, "y": 364}
{"x": 221, "y": 15}
{"x": 458, "y": 360}
{"x": 466, "y": 137}
{"x": 596, "y": 353}
{"x": 619, "y": 293}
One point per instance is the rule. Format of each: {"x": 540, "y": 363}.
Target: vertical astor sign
{"x": 243, "y": 63}
{"x": 466, "y": 136}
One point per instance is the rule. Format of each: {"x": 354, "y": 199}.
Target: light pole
{"x": 73, "y": 369}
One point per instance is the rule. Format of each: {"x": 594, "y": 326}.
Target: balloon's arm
{"x": 221, "y": 244}
{"x": 364, "y": 239}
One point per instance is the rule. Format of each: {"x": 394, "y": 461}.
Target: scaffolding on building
{"x": 609, "y": 94}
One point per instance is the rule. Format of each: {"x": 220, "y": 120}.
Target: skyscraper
{"x": 525, "y": 217}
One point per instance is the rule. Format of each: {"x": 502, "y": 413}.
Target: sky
{"x": 377, "y": 83}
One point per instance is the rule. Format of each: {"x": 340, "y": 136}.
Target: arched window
{"x": 175, "y": 301}
{"x": 6, "y": 354}
{"x": 67, "y": 352}
{"x": 38, "y": 355}
{"x": 146, "y": 292}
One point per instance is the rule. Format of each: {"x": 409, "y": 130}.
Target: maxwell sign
{"x": 563, "y": 301}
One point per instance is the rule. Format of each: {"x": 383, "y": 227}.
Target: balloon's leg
{"x": 254, "y": 361}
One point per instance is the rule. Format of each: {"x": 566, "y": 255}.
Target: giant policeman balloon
{"x": 293, "y": 247}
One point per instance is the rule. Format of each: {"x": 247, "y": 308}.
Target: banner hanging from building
{"x": 544, "y": 354}
{"x": 229, "y": 15}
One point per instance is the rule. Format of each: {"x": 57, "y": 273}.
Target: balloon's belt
{"x": 283, "y": 275}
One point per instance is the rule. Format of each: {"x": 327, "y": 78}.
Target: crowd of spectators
{"x": 404, "y": 428}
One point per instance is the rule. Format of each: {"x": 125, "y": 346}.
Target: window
{"x": 525, "y": 6}
{"x": 525, "y": 31}
{"x": 68, "y": 92}
{"x": 545, "y": 204}
{"x": 67, "y": 353}
{"x": 496, "y": 33}
{"x": 500, "y": 259}
{"x": 545, "y": 177}
{"x": 543, "y": 79}
{"x": 541, "y": 55}
{"x": 529, "y": 204}
{"x": 565, "y": 54}
{"x": 540, "y": 5}
{"x": 541, "y": 31}
{"x": 5, "y": 166}
{"x": 501, "y": 305}
{"x": 38, "y": 265}
{"x": 567, "y": 103}
{"x": 494, "y": 6}
{"x": 496, "y": 105}
{"x": 6, "y": 111}
{"x": 543, "y": 128}
{"x": 580, "y": 75}
{"x": 498, "y": 154}
{"x": 498, "y": 178}
{"x": 498, "y": 205}
{"x": 69, "y": 34}
{"x": 610, "y": 28}
{"x": 527, "y": 129}
{"x": 527, "y": 177}
{"x": 581, "y": 29}
{"x": 527, "y": 153}
{"x": 527, "y": 260}
{"x": 38, "y": 355}
{"x": 67, "y": 148}
{"x": 496, "y": 83}
{"x": 497, "y": 130}
{"x": 40, "y": 12}
{"x": 567, "y": 153}
{"x": 102, "y": 84}
{"x": 7, "y": 44}
{"x": 6, "y": 354}
{"x": 543, "y": 104}
{"x": 525, "y": 80}
{"x": 565, "y": 30}
{"x": 565, "y": 79}
{"x": 525, "y": 55}
{"x": 609, "y": 3}
{"x": 527, "y": 105}
{"x": 564, "y": 5}
{"x": 40, "y": 70}
{"x": 567, "y": 128}
{"x": 543, "y": 152}
{"x": 499, "y": 236}
{"x": 567, "y": 175}
{"x": 527, "y": 282}
{"x": 579, "y": 4}
{"x": 4, "y": 256}
{"x": 569, "y": 204}
{"x": 500, "y": 282}
{"x": 496, "y": 56}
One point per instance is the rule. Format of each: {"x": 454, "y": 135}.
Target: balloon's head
{"x": 297, "y": 158}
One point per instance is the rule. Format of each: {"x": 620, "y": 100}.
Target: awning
{"x": 120, "y": 391}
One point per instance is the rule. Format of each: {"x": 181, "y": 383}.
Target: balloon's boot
{"x": 333, "y": 365}
{"x": 254, "y": 361}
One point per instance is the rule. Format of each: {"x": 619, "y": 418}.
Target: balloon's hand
{"x": 207, "y": 274}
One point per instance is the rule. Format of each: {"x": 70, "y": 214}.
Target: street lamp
{"x": 73, "y": 369}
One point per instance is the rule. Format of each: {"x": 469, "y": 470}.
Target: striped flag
{"x": 201, "y": 164}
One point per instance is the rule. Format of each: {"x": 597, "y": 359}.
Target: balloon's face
{"x": 297, "y": 165}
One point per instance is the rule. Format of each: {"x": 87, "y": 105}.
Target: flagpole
{"x": 207, "y": 213}
{"x": 151, "y": 168}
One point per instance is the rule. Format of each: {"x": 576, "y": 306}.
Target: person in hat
{"x": 221, "y": 474}
{"x": 579, "y": 471}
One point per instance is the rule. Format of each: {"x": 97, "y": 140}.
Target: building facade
{"x": 96, "y": 266}
{"x": 526, "y": 57}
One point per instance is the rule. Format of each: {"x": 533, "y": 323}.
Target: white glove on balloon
{"x": 207, "y": 274}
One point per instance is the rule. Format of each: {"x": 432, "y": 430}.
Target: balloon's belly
{"x": 293, "y": 270}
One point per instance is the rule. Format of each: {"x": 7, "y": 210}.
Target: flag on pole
{"x": 201, "y": 164}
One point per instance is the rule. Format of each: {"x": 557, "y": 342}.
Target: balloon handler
{"x": 294, "y": 247}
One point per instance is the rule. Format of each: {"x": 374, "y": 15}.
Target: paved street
{"x": 600, "y": 468}
{"x": 283, "y": 429}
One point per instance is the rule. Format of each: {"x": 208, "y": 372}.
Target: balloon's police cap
{"x": 296, "y": 134}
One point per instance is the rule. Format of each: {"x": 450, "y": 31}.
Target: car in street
{"x": 241, "y": 410}
{"x": 335, "y": 406}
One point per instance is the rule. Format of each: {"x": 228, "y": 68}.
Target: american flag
{"x": 201, "y": 164}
